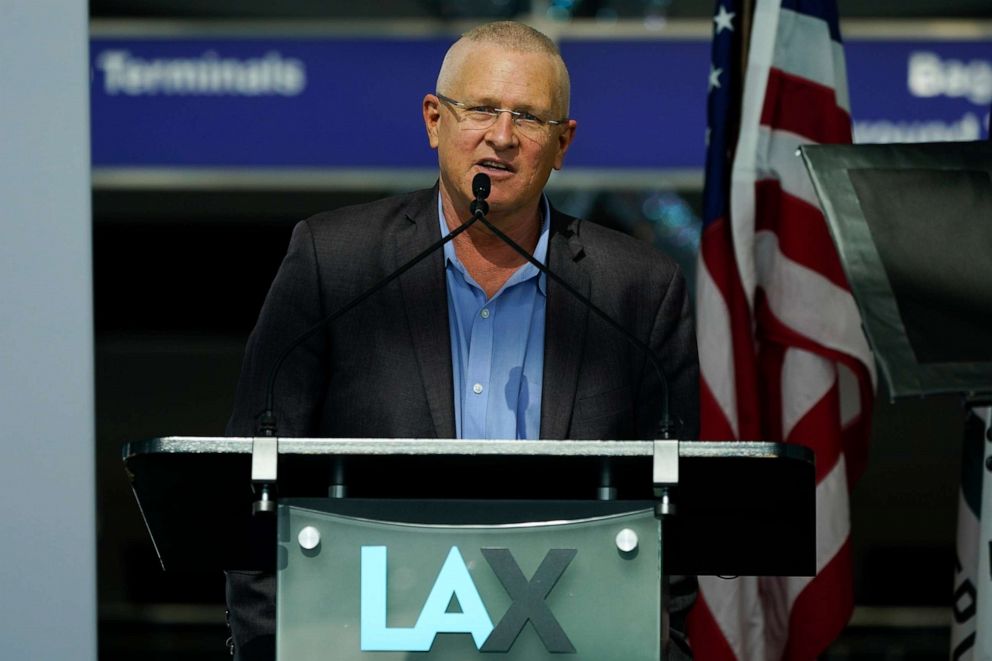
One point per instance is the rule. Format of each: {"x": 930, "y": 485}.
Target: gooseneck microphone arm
{"x": 665, "y": 425}
{"x": 267, "y": 422}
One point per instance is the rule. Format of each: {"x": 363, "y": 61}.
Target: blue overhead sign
{"x": 224, "y": 102}
{"x": 919, "y": 91}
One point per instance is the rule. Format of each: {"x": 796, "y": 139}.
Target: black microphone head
{"x": 481, "y": 185}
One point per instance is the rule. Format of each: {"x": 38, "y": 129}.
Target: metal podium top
{"x": 742, "y": 508}
{"x": 420, "y": 446}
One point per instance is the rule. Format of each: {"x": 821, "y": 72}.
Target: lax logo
{"x": 527, "y": 604}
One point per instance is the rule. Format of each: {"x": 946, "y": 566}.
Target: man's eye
{"x": 486, "y": 110}
{"x": 529, "y": 118}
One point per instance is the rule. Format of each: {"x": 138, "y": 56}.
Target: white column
{"x": 47, "y": 521}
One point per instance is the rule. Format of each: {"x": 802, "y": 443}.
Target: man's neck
{"x": 484, "y": 255}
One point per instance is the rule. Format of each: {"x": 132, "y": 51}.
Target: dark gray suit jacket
{"x": 384, "y": 369}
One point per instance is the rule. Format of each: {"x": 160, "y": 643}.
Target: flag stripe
{"x": 830, "y": 599}
{"x": 801, "y": 239}
{"x": 800, "y": 51}
{"x": 822, "y": 610}
{"x": 712, "y": 646}
{"x": 771, "y": 359}
{"x": 786, "y": 92}
{"x": 833, "y": 522}
{"x": 720, "y": 292}
{"x": 832, "y": 579}
{"x": 715, "y": 355}
{"x": 808, "y": 303}
{"x": 734, "y": 607}
{"x": 709, "y": 407}
{"x": 811, "y": 415}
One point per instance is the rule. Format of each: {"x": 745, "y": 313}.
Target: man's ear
{"x": 432, "y": 115}
{"x": 564, "y": 140}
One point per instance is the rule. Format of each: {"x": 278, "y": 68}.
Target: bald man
{"x": 474, "y": 342}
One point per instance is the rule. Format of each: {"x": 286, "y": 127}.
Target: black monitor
{"x": 913, "y": 225}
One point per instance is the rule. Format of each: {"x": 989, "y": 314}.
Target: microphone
{"x": 481, "y": 187}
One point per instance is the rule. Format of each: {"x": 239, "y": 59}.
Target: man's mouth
{"x": 489, "y": 164}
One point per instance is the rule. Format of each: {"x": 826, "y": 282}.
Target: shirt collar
{"x": 540, "y": 250}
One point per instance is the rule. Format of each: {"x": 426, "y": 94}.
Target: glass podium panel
{"x": 582, "y": 579}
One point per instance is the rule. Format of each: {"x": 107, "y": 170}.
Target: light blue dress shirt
{"x": 497, "y": 346}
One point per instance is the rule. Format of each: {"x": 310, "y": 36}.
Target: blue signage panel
{"x": 919, "y": 91}
{"x": 639, "y": 104}
{"x": 225, "y": 102}
{"x": 222, "y": 102}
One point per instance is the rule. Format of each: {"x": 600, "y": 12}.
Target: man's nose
{"x": 502, "y": 134}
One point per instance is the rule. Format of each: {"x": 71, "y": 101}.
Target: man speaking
{"x": 472, "y": 342}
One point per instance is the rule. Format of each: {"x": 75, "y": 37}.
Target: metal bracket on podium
{"x": 665, "y": 475}
{"x": 264, "y": 473}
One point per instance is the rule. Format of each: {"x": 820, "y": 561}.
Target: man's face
{"x": 518, "y": 165}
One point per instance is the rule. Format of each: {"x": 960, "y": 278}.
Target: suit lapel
{"x": 565, "y": 328}
{"x": 425, "y": 300}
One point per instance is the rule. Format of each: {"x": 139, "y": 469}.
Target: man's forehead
{"x": 516, "y": 102}
{"x": 493, "y": 75}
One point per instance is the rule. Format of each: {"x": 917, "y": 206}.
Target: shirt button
{"x": 477, "y": 389}
{"x": 485, "y": 313}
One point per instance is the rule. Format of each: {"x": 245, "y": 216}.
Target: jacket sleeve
{"x": 292, "y": 306}
{"x": 673, "y": 338}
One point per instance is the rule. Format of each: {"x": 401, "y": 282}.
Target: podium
{"x": 462, "y": 549}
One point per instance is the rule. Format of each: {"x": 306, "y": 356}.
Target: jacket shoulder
{"x": 373, "y": 218}
{"x": 607, "y": 249}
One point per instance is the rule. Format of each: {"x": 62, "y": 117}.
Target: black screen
{"x": 935, "y": 243}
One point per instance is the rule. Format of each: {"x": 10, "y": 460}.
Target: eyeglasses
{"x": 482, "y": 117}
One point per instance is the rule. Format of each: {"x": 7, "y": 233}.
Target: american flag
{"x": 781, "y": 349}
